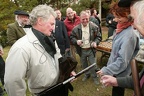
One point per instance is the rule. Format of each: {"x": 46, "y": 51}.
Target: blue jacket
{"x": 125, "y": 46}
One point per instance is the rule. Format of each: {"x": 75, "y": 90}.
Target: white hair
{"x": 18, "y": 20}
{"x": 16, "y": 17}
{"x": 69, "y": 9}
{"x": 42, "y": 11}
{"x": 139, "y": 7}
{"x": 84, "y": 13}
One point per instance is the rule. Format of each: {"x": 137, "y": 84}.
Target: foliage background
{"x": 8, "y": 7}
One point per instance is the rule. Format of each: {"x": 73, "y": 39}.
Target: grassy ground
{"x": 87, "y": 88}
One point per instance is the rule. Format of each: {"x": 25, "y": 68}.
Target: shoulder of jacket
{"x": 13, "y": 24}
{"x": 93, "y": 24}
{"x": 77, "y": 26}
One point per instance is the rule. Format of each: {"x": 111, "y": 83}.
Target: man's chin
{"x": 71, "y": 18}
{"x": 49, "y": 34}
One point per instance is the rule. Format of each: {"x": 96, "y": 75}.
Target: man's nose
{"x": 26, "y": 18}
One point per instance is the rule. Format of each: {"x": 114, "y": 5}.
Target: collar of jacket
{"x": 76, "y": 18}
{"x": 80, "y": 30}
{"x": 46, "y": 42}
{"x": 80, "y": 26}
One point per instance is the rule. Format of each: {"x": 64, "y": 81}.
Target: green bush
{"x": 3, "y": 38}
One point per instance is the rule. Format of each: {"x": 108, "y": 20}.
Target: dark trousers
{"x": 110, "y": 31}
{"x": 118, "y": 91}
{"x": 61, "y": 91}
{"x": 1, "y": 91}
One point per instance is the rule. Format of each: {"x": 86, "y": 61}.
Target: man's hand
{"x": 93, "y": 44}
{"x": 67, "y": 49}
{"x": 79, "y": 42}
{"x": 108, "y": 80}
{"x": 73, "y": 74}
{"x": 110, "y": 21}
{"x": 100, "y": 73}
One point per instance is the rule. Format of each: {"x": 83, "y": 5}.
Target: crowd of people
{"x": 47, "y": 37}
{"x": 40, "y": 38}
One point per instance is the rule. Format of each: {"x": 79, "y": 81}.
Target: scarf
{"x": 122, "y": 26}
{"x": 46, "y": 41}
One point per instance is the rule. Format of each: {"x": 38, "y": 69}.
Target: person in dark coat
{"x": 61, "y": 36}
{"x": 111, "y": 24}
{"x": 59, "y": 15}
{"x": 94, "y": 14}
{"x": 85, "y": 37}
{"x": 93, "y": 19}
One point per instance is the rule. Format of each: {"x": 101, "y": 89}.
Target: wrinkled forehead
{"x": 84, "y": 15}
{"x": 69, "y": 11}
{"x": 57, "y": 11}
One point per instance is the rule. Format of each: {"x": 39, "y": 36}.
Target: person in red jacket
{"x": 71, "y": 21}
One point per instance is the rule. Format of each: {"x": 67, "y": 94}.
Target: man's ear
{"x": 40, "y": 21}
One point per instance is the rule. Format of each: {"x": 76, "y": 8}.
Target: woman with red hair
{"x": 125, "y": 47}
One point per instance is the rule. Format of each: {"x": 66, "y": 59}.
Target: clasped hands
{"x": 80, "y": 43}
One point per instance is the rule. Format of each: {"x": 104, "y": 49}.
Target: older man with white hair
{"x": 18, "y": 29}
{"x": 34, "y": 57}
